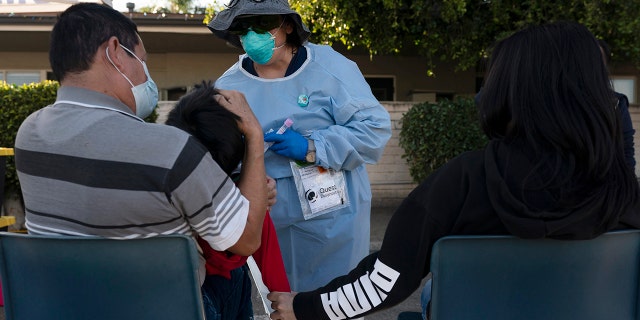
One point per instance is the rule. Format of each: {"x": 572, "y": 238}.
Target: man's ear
{"x": 114, "y": 52}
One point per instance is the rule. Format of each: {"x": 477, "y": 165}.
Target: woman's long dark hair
{"x": 548, "y": 91}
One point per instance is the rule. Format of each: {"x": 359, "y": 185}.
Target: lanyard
{"x": 93, "y": 106}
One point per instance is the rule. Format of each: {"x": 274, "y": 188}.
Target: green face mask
{"x": 258, "y": 46}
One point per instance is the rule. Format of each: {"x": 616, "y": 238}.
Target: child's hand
{"x": 272, "y": 192}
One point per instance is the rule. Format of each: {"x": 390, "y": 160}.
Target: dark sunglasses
{"x": 259, "y": 24}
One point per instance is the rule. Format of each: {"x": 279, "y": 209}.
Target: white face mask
{"x": 145, "y": 94}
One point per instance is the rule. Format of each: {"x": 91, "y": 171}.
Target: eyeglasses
{"x": 259, "y": 24}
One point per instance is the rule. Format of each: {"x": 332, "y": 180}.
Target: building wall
{"x": 24, "y": 61}
{"x": 173, "y": 70}
{"x": 411, "y": 76}
{"x": 390, "y": 179}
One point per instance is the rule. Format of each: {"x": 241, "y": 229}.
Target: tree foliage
{"x": 461, "y": 30}
{"x": 173, "y": 6}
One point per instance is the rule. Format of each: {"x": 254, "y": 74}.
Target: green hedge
{"x": 434, "y": 133}
{"x": 16, "y": 103}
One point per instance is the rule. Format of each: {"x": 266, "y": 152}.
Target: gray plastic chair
{"x": 503, "y": 277}
{"x": 96, "y": 278}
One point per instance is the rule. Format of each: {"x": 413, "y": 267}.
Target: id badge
{"x": 320, "y": 190}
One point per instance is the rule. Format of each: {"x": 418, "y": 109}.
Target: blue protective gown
{"x": 350, "y": 129}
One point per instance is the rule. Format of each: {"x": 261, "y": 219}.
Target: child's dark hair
{"x": 199, "y": 114}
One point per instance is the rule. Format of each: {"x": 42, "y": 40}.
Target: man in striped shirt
{"x": 89, "y": 164}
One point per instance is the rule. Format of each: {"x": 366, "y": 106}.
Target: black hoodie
{"x": 477, "y": 193}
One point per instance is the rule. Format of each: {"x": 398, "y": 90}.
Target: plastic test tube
{"x": 287, "y": 123}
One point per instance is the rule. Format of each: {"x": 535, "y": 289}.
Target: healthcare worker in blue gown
{"x": 338, "y": 127}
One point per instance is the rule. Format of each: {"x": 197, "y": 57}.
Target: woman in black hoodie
{"x": 554, "y": 168}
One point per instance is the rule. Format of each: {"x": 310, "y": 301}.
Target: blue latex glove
{"x": 290, "y": 144}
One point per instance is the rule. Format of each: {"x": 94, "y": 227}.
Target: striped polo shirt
{"x": 88, "y": 166}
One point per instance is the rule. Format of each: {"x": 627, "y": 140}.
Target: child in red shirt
{"x": 227, "y": 287}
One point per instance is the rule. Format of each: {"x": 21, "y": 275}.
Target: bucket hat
{"x": 221, "y": 22}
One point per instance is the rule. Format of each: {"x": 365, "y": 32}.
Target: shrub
{"x": 434, "y": 133}
{"x": 18, "y": 102}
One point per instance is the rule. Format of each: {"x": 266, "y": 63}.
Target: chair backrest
{"x": 503, "y": 277}
{"x": 61, "y": 277}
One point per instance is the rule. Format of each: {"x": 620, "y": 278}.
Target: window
{"x": 383, "y": 87}
{"x": 625, "y": 85}
{"x": 479, "y": 83}
{"x": 22, "y": 77}
{"x": 444, "y": 95}
{"x": 174, "y": 94}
